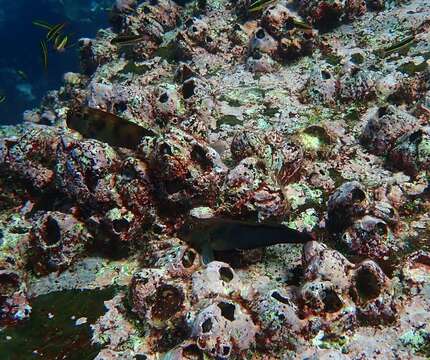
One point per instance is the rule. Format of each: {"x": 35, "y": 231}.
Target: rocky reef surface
{"x": 313, "y": 114}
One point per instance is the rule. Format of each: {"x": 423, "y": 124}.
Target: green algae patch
{"x": 418, "y": 341}
{"x": 51, "y": 332}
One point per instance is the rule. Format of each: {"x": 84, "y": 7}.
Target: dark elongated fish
{"x": 218, "y": 234}
{"x": 123, "y": 40}
{"x": 106, "y": 127}
{"x": 398, "y": 46}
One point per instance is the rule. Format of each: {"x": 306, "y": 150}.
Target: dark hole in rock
{"x": 168, "y": 301}
{"x": 165, "y": 149}
{"x": 120, "y": 106}
{"x": 280, "y": 298}
{"x": 130, "y": 173}
{"x": 225, "y": 350}
{"x": 357, "y": 195}
{"x": 227, "y": 310}
{"x": 163, "y": 98}
{"x": 382, "y": 111}
{"x": 331, "y": 300}
{"x": 192, "y": 352}
{"x": 146, "y": 10}
{"x": 120, "y": 225}
{"x": 236, "y": 27}
{"x": 325, "y": 75}
{"x": 45, "y": 121}
{"x": 381, "y": 228}
{"x": 367, "y": 285}
{"x": 198, "y": 154}
{"x": 416, "y": 136}
{"x": 257, "y": 55}
{"x": 91, "y": 181}
{"x": 189, "y": 22}
{"x": 53, "y": 232}
{"x": 188, "y": 88}
{"x": 140, "y": 357}
{"x": 173, "y": 186}
{"x": 289, "y": 24}
{"x": 194, "y": 29}
{"x": 188, "y": 258}
{"x": 207, "y": 325}
{"x": 226, "y": 274}
{"x": 260, "y": 34}
{"x": 357, "y": 58}
{"x": 1, "y": 237}
{"x": 9, "y": 282}
{"x": 209, "y": 39}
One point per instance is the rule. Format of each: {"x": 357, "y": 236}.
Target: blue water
{"x": 20, "y": 48}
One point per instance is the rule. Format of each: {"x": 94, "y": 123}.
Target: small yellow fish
{"x": 259, "y": 5}
{"x": 54, "y": 31}
{"x": 44, "y": 54}
{"x": 42, "y": 24}
{"x": 60, "y": 43}
{"x": 2, "y": 99}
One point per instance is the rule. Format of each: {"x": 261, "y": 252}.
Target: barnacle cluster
{"x": 305, "y": 113}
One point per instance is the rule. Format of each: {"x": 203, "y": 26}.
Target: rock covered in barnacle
{"x": 187, "y": 171}
{"x": 384, "y": 126}
{"x": 411, "y": 152}
{"x": 57, "y": 239}
{"x": 259, "y": 116}
{"x": 326, "y": 14}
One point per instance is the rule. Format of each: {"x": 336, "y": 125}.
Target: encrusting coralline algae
{"x": 310, "y": 114}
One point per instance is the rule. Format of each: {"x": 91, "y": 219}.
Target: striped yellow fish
{"x": 44, "y": 54}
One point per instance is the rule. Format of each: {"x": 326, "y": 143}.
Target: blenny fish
{"x": 220, "y": 234}
{"x": 107, "y": 127}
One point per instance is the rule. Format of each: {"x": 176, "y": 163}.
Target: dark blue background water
{"x": 20, "y": 49}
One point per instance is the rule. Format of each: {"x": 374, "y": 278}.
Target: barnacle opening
{"x": 192, "y": 352}
{"x": 367, "y": 285}
{"x": 207, "y": 325}
{"x": 188, "y": 88}
{"x": 358, "y": 195}
{"x": 227, "y": 310}
{"x": 120, "y": 225}
{"x": 225, "y": 274}
{"x": 188, "y": 258}
{"x": 53, "y": 232}
{"x": 332, "y": 302}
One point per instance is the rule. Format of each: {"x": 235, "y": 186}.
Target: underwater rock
{"x": 384, "y": 126}
{"x": 186, "y": 172}
{"x": 347, "y": 203}
{"x": 327, "y": 14}
{"x": 56, "y": 240}
{"x": 370, "y": 237}
{"x": 224, "y": 329}
{"x": 411, "y": 152}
